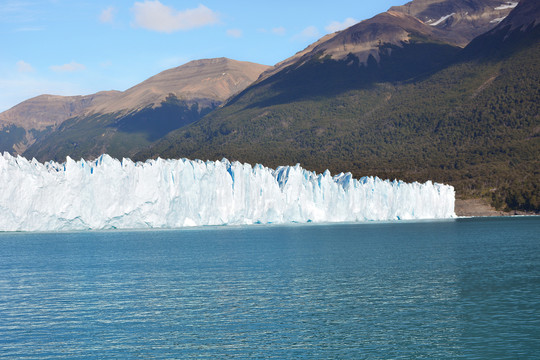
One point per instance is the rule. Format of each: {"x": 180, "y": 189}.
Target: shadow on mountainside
{"x": 324, "y": 77}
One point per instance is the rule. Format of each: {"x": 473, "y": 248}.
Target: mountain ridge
{"x": 460, "y": 21}
{"x": 471, "y": 121}
{"x": 197, "y": 80}
{"x": 205, "y": 83}
{"x": 472, "y": 18}
{"x": 396, "y": 96}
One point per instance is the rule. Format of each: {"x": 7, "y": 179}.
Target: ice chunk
{"x": 109, "y": 193}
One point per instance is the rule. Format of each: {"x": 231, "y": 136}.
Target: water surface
{"x": 466, "y": 288}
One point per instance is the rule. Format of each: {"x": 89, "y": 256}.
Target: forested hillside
{"x": 472, "y": 122}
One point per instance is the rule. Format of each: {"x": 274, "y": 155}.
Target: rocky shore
{"x": 480, "y": 207}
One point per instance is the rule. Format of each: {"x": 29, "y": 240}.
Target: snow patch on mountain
{"x": 497, "y": 20}
{"x": 507, "y": 5}
{"x": 442, "y": 19}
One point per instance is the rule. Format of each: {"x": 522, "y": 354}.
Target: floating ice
{"x": 108, "y": 193}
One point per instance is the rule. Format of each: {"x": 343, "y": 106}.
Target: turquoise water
{"x": 456, "y": 289}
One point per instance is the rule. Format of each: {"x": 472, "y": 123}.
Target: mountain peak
{"x": 216, "y": 79}
{"x": 455, "y": 22}
{"x": 525, "y": 15}
{"x": 210, "y": 61}
{"x": 187, "y": 91}
{"x": 47, "y": 110}
{"x": 459, "y": 21}
{"x": 362, "y": 40}
{"x": 517, "y": 31}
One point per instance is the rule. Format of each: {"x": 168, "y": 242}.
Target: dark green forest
{"x": 473, "y": 122}
{"x": 119, "y": 135}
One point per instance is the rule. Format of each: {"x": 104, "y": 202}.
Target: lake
{"x": 453, "y": 289}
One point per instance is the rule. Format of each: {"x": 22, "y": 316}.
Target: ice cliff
{"x": 108, "y": 193}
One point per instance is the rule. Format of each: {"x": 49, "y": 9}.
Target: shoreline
{"x": 481, "y": 208}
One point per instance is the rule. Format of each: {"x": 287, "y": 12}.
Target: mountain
{"x": 455, "y": 22}
{"x": 23, "y": 123}
{"x": 207, "y": 82}
{"x": 446, "y": 90}
{"x": 402, "y": 43}
{"x": 52, "y": 127}
{"x": 459, "y": 21}
{"x": 415, "y": 108}
{"x": 516, "y": 31}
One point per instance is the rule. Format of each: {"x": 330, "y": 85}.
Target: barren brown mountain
{"x": 207, "y": 82}
{"x": 459, "y": 21}
{"x": 455, "y": 22}
{"x": 204, "y": 81}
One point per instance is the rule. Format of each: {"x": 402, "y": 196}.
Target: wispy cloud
{"x": 309, "y": 33}
{"x": 235, "y": 33}
{"x": 17, "y": 11}
{"x": 106, "y": 64}
{"x": 153, "y": 15}
{"x": 70, "y": 67}
{"x": 337, "y": 26}
{"x": 107, "y": 15}
{"x": 24, "y": 67}
{"x": 279, "y": 31}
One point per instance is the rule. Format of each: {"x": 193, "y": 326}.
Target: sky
{"x": 79, "y": 47}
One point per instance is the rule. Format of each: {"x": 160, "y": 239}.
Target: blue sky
{"x": 70, "y": 47}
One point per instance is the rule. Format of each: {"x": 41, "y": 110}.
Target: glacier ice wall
{"x": 108, "y": 193}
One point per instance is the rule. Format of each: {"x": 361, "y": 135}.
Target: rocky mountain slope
{"x": 468, "y": 117}
{"x": 23, "y": 123}
{"x": 459, "y": 21}
{"x": 207, "y": 82}
{"x": 175, "y": 97}
{"x": 419, "y": 35}
{"x": 397, "y": 96}
{"x": 455, "y": 22}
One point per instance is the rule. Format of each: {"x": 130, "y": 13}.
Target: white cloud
{"x": 337, "y": 26}
{"x": 24, "y": 67}
{"x": 107, "y": 15}
{"x": 153, "y": 15}
{"x": 276, "y": 31}
{"x": 70, "y": 67}
{"x": 279, "y": 30}
{"x": 235, "y": 33}
{"x": 106, "y": 64}
{"x": 18, "y": 11}
{"x": 308, "y": 33}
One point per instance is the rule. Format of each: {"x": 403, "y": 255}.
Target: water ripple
{"x": 464, "y": 289}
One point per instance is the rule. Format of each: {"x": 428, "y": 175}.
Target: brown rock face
{"x": 362, "y": 39}
{"x": 526, "y": 14}
{"x": 207, "y": 80}
{"x": 51, "y": 110}
{"x": 456, "y": 22}
{"x": 459, "y": 20}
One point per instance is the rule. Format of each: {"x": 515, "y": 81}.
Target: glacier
{"x": 107, "y": 193}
